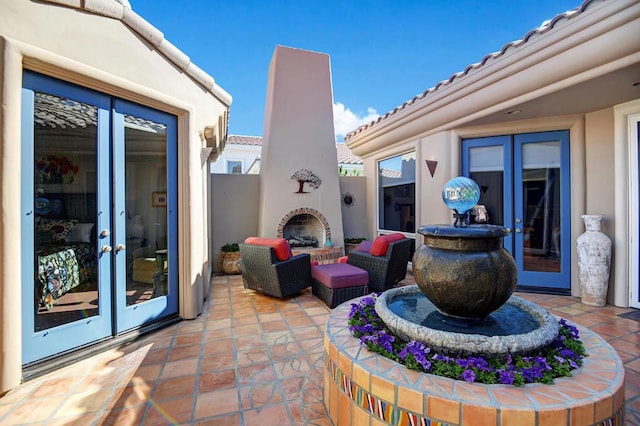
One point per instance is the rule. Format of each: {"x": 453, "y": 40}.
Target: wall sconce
{"x": 432, "y": 164}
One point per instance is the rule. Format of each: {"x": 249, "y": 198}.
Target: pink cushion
{"x": 340, "y": 275}
{"x": 381, "y": 244}
{"x": 343, "y": 259}
{"x": 280, "y": 245}
{"x": 364, "y": 246}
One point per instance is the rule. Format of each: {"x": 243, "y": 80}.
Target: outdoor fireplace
{"x": 304, "y": 227}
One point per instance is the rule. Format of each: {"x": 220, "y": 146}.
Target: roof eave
{"x": 441, "y": 107}
{"x": 122, "y": 12}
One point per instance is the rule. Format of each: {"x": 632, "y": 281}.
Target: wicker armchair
{"x": 384, "y": 271}
{"x": 262, "y": 272}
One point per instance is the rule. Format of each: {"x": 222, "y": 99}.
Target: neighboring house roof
{"x": 345, "y": 156}
{"x": 533, "y": 34}
{"x": 121, "y": 10}
{"x": 244, "y": 140}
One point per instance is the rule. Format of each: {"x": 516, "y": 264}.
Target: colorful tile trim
{"x": 377, "y": 407}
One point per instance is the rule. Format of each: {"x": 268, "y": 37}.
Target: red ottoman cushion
{"x": 340, "y": 275}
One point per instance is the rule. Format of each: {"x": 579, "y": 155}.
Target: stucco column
{"x": 10, "y": 239}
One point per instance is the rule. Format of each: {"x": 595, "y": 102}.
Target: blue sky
{"x": 382, "y": 52}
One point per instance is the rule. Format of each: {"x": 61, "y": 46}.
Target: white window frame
{"x": 633, "y": 122}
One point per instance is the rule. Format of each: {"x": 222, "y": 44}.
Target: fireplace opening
{"x": 303, "y": 230}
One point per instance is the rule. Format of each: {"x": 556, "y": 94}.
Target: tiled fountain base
{"x": 364, "y": 388}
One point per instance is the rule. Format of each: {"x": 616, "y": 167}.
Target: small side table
{"x": 160, "y": 287}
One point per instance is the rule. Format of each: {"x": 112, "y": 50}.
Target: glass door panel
{"x": 541, "y": 209}
{"x": 487, "y": 162}
{"x": 146, "y": 219}
{"x": 65, "y": 284}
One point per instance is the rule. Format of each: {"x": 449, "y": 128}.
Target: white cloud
{"x": 345, "y": 120}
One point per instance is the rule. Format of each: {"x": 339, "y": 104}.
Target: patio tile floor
{"x": 249, "y": 359}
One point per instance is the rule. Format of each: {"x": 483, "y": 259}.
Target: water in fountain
{"x": 463, "y": 303}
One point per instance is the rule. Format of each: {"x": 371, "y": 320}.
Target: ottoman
{"x": 335, "y": 283}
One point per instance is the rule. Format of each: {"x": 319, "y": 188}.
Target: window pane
{"x": 396, "y": 193}
{"x": 65, "y": 143}
{"x": 234, "y": 167}
{"x": 542, "y": 208}
{"x": 146, "y": 197}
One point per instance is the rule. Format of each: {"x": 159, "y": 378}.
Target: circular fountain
{"x": 463, "y": 305}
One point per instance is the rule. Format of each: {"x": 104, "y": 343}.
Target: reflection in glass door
{"x": 524, "y": 182}
{"x": 144, "y": 193}
{"x": 99, "y": 225}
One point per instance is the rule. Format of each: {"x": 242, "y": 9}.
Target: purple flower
{"x": 506, "y": 377}
{"x": 418, "y": 351}
{"x": 469, "y": 376}
{"x": 385, "y": 340}
{"x": 440, "y": 357}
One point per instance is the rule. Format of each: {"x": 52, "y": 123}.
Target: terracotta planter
{"x": 231, "y": 262}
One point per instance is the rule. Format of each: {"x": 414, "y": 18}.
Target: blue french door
{"x": 98, "y": 218}
{"x": 524, "y": 182}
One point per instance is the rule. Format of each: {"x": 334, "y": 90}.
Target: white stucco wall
{"x": 103, "y": 54}
{"x": 355, "y": 217}
{"x": 234, "y": 211}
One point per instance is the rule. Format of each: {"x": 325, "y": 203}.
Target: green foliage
{"x": 354, "y": 240}
{"x": 230, "y": 247}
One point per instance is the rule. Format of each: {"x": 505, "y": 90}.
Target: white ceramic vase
{"x": 594, "y": 260}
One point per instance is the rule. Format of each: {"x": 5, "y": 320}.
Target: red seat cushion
{"x": 381, "y": 244}
{"x": 340, "y": 275}
{"x": 280, "y": 246}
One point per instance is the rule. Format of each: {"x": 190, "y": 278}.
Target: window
{"x": 234, "y": 167}
{"x": 396, "y": 193}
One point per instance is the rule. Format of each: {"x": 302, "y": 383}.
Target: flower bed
{"x": 556, "y": 360}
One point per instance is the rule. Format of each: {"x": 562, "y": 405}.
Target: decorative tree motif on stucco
{"x": 306, "y": 176}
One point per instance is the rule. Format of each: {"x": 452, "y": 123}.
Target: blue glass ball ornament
{"x": 461, "y": 194}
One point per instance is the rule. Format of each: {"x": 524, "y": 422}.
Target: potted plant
{"x": 352, "y": 243}
{"x": 230, "y": 258}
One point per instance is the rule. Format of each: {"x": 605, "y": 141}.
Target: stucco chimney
{"x": 299, "y": 137}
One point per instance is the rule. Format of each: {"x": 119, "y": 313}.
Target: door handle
{"x": 120, "y": 247}
{"x": 518, "y": 220}
{"x": 518, "y": 230}
{"x": 106, "y": 249}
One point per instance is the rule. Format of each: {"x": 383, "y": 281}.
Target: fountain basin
{"x": 362, "y": 387}
{"x": 518, "y": 327}
{"x": 465, "y": 271}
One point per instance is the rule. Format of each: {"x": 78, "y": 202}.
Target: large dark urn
{"x": 465, "y": 271}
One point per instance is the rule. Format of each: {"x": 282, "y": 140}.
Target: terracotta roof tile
{"x": 544, "y": 28}
{"x": 244, "y": 140}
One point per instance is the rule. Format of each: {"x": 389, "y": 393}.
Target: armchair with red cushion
{"x": 269, "y": 267}
{"x": 385, "y": 259}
